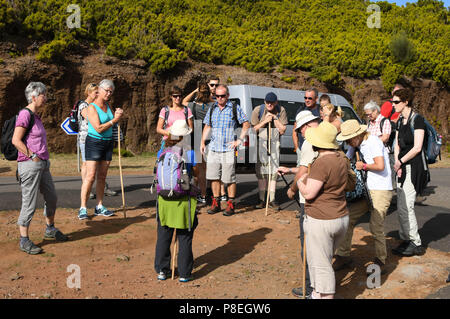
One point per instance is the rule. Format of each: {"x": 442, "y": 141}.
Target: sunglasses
{"x": 176, "y": 96}
{"x": 213, "y": 84}
{"x": 221, "y": 96}
{"x": 396, "y": 102}
{"x": 308, "y": 98}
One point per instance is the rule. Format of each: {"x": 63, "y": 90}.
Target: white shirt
{"x": 376, "y": 180}
{"x": 307, "y": 157}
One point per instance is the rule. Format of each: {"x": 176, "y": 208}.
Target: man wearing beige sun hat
{"x": 375, "y": 161}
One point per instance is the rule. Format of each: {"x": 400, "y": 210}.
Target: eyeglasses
{"x": 108, "y": 91}
{"x": 396, "y": 102}
{"x": 308, "y": 98}
{"x": 221, "y": 96}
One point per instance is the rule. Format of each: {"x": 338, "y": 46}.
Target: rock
{"x": 122, "y": 258}
{"x": 47, "y": 295}
{"x": 412, "y": 271}
{"x": 284, "y": 221}
{"x": 16, "y": 276}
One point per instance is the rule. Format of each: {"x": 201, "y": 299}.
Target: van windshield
{"x": 290, "y": 107}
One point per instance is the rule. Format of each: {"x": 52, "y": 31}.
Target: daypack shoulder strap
{"x": 261, "y": 111}
{"x": 31, "y": 123}
{"x": 166, "y": 116}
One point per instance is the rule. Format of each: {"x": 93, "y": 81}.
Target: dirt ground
{"x": 247, "y": 255}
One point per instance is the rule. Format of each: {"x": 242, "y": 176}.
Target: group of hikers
{"x": 331, "y": 154}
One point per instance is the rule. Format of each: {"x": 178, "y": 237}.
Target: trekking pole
{"x": 120, "y": 173}
{"x": 270, "y": 175}
{"x": 174, "y": 253}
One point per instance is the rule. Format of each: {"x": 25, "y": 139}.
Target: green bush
{"x": 123, "y": 152}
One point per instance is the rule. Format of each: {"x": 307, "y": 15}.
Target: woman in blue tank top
{"x": 99, "y": 147}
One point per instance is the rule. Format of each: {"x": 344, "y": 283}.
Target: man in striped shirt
{"x": 220, "y": 162}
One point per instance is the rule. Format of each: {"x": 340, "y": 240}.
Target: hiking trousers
{"x": 34, "y": 177}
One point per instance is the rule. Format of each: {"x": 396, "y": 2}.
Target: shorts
{"x": 98, "y": 150}
{"x": 83, "y": 152}
{"x": 221, "y": 166}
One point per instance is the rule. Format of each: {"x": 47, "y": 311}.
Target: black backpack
{"x": 390, "y": 142}
{"x": 8, "y": 149}
{"x": 73, "y": 122}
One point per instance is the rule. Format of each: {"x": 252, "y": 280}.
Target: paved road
{"x": 433, "y": 216}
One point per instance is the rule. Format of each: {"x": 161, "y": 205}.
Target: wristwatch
{"x": 33, "y": 156}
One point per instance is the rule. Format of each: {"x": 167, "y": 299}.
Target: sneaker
{"x": 260, "y": 205}
{"x": 201, "y": 200}
{"x": 162, "y": 275}
{"x": 186, "y": 279}
{"x": 92, "y": 196}
{"x": 56, "y": 234}
{"x": 102, "y": 211}
{"x": 298, "y": 292}
{"x": 223, "y": 198}
{"x": 215, "y": 208}
{"x": 110, "y": 192}
{"x": 82, "y": 214}
{"x": 341, "y": 262}
{"x": 274, "y": 205}
{"x": 413, "y": 250}
{"x": 30, "y": 248}
{"x": 400, "y": 248}
{"x": 230, "y": 209}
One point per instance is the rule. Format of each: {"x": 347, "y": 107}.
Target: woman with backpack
{"x": 169, "y": 114}
{"x": 199, "y": 107}
{"x": 33, "y": 165}
{"x": 99, "y": 147}
{"x": 176, "y": 205}
{"x": 412, "y": 170}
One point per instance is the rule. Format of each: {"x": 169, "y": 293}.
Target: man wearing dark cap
{"x": 269, "y": 112}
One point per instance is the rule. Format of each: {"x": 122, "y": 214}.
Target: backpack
{"x": 434, "y": 141}
{"x": 171, "y": 178}
{"x": 390, "y": 142}
{"x": 8, "y": 149}
{"x": 73, "y": 122}
{"x": 234, "y": 118}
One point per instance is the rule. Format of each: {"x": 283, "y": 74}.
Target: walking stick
{"x": 270, "y": 172}
{"x": 174, "y": 253}
{"x": 120, "y": 172}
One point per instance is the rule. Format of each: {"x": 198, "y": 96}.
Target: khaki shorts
{"x": 221, "y": 166}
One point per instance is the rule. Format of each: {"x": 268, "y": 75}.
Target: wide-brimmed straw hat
{"x": 323, "y": 136}
{"x": 180, "y": 128}
{"x": 304, "y": 117}
{"x": 349, "y": 129}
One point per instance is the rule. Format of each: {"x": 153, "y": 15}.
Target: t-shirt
{"x": 262, "y": 132}
{"x": 386, "y": 110}
{"x": 83, "y": 123}
{"x": 371, "y": 148}
{"x": 406, "y": 137}
{"x": 330, "y": 203}
{"x": 36, "y": 141}
{"x": 173, "y": 116}
{"x": 316, "y": 112}
{"x": 307, "y": 157}
{"x": 199, "y": 110}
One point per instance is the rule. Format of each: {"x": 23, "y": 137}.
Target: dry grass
{"x": 66, "y": 165}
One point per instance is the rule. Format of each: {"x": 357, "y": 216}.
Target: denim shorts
{"x": 98, "y": 150}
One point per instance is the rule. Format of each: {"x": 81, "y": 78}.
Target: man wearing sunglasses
{"x": 311, "y": 96}
{"x": 221, "y": 121}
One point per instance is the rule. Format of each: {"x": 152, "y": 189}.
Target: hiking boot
{"x": 413, "y": 250}
{"x": 400, "y": 248}
{"x": 109, "y": 192}
{"x": 30, "y": 248}
{"x": 298, "y": 292}
{"x": 92, "y": 196}
{"x": 260, "y": 205}
{"x": 56, "y": 234}
{"x": 230, "y": 209}
{"x": 215, "y": 208}
{"x": 341, "y": 262}
{"x": 380, "y": 264}
{"x": 82, "y": 214}
{"x": 201, "y": 200}
{"x": 223, "y": 198}
{"x": 102, "y": 211}
{"x": 274, "y": 205}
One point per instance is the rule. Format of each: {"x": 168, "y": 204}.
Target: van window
{"x": 348, "y": 114}
{"x": 236, "y": 101}
{"x": 290, "y": 107}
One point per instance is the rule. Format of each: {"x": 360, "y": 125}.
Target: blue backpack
{"x": 434, "y": 141}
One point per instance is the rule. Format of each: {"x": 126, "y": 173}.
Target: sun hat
{"x": 304, "y": 117}
{"x": 180, "y": 128}
{"x": 349, "y": 129}
{"x": 323, "y": 136}
{"x": 271, "y": 97}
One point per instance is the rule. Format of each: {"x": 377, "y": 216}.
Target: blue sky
{"x": 402, "y": 2}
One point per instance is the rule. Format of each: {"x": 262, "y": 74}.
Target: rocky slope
{"x": 142, "y": 93}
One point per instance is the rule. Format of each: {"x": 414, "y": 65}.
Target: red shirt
{"x": 386, "y": 110}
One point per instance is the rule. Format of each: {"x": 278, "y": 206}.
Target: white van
{"x": 250, "y": 96}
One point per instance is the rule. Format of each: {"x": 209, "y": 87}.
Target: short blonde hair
{"x": 90, "y": 88}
